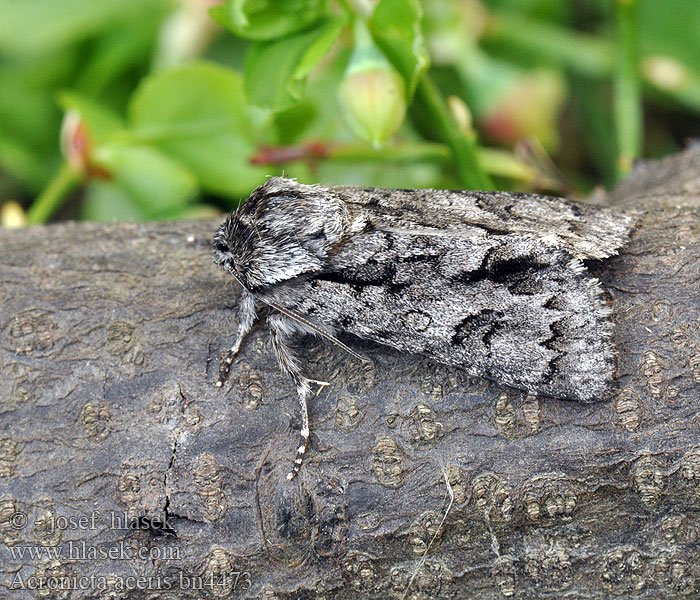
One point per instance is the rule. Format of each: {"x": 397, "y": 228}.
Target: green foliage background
{"x": 166, "y": 105}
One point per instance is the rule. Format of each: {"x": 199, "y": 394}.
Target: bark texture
{"x": 124, "y": 473}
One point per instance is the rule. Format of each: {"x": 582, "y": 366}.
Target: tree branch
{"x": 110, "y": 337}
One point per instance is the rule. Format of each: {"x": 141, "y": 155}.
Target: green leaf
{"x": 267, "y": 19}
{"x": 24, "y": 164}
{"x": 396, "y": 28}
{"x": 44, "y": 25}
{"x": 29, "y": 118}
{"x": 118, "y": 54}
{"x": 290, "y": 124}
{"x": 101, "y": 121}
{"x": 197, "y": 114}
{"x": 108, "y": 201}
{"x": 671, "y": 31}
{"x": 153, "y": 182}
{"x": 275, "y": 71}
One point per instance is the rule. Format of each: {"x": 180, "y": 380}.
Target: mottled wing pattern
{"x": 488, "y": 282}
{"x": 581, "y": 230}
{"x": 510, "y": 310}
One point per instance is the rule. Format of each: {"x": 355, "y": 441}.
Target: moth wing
{"x": 506, "y": 307}
{"x": 487, "y": 281}
{"x": 582, "y": 230}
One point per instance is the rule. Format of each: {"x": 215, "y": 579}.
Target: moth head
{"x": 284, "y": 230}
{"x": 222, "y": 251}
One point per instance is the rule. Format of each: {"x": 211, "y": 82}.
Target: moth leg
{"x": 320, "y": 384}
{"x": 246, "y": 317}
{"x": 280, "y": 329}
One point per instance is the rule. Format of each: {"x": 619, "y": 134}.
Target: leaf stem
{"x": 551, "y": 44}
{"x": 462, "y": 145}
{"x": 493, "y": 161}
{"x": 627, "y": 87}
{"x": 405, "y": 152}
{"x": 53, "y": 195}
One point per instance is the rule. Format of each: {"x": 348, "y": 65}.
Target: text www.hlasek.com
{"x": 83, "y": 551}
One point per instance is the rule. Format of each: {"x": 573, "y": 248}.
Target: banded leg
{"x": 246, "y": 317}
{"x": 280, "y": 329}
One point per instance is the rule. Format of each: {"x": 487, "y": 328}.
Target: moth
{"x": 490, "y": 282}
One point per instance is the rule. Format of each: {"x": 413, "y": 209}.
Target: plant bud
{"x": 372, "y": 95}
{"x": 75, "y": 141}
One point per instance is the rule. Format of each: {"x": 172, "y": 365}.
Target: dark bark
{"x": 109, "y": 341}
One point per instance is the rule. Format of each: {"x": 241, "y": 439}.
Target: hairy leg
{"x": 246, "y": 315}
{"x": 281, "y": 327}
